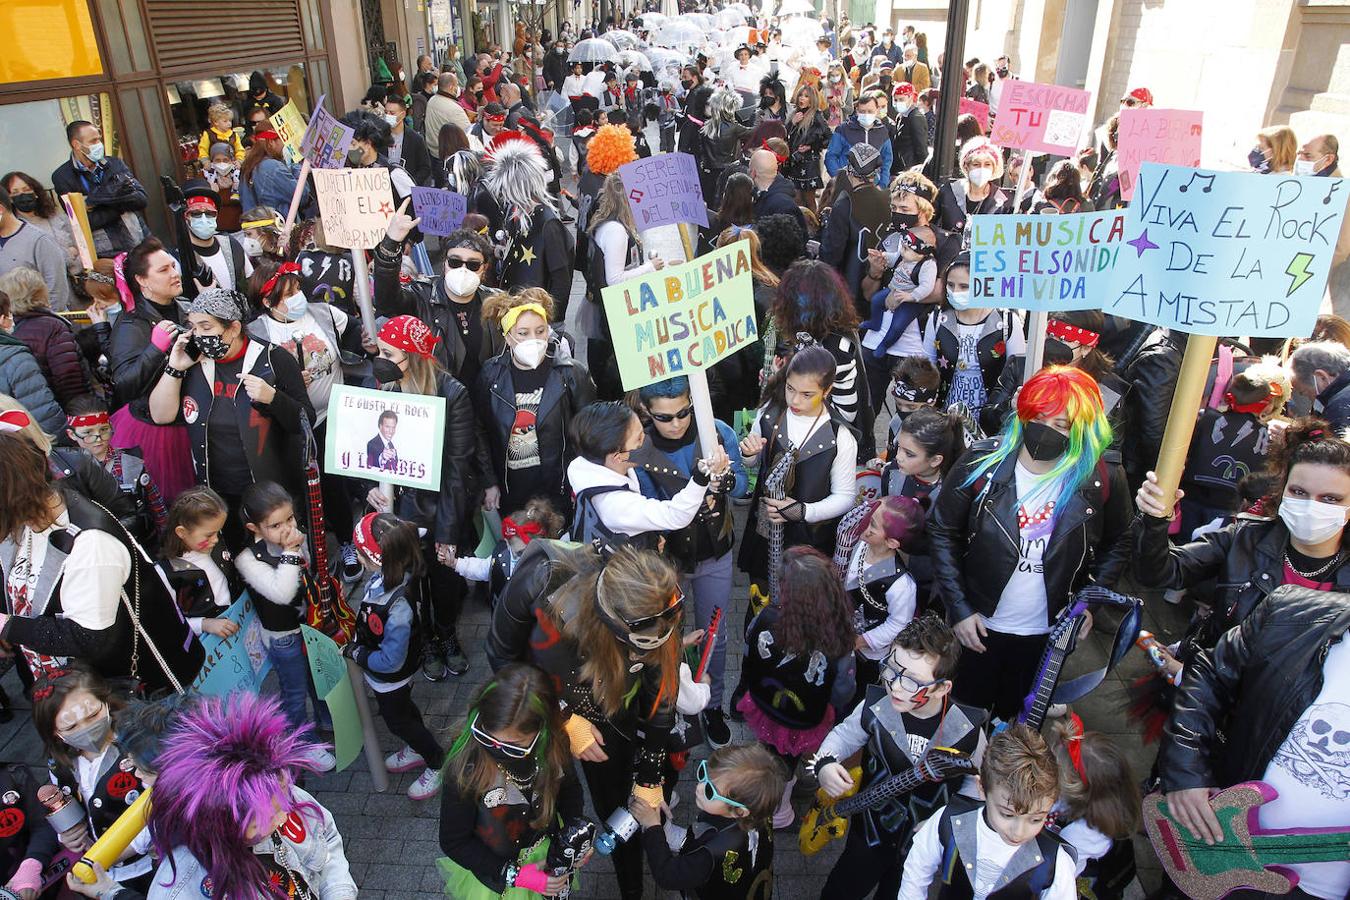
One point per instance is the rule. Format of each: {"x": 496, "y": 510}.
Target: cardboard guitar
{"x": 1249, "y": 856}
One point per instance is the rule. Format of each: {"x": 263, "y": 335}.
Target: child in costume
{"x": 510, "y": 786}
{"x": 227, "y": 817}
{"x": 728, "y": 853}
{"x": 537, "y": 519}
{"x": 906, "y": 711}
{"x": 927, "y": 445}
{"x": 913, "y": 253}
{"x": 196, "y": 562}
{"x": 998, "y": 847}
{"x": 914, "y": 386}
{"x": 388, "y": 642}
{"x": 88, "y": 426}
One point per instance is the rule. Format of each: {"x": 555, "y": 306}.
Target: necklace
{"x": 521, "y": 784}
{"x": 1316, "y": 573}
{"x": 282, "y": 855}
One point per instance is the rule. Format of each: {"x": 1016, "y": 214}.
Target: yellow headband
{"x": 511, "y": 315}
{"x": 261, "y": 223}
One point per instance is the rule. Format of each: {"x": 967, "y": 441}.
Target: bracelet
{"x": 509, "y": 874}
{"x": 291, "y": 559}
{"x": 174, "y": 373}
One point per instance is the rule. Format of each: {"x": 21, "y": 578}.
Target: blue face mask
{"x": 958, "y": 299}
{"x": 202, "y": 227}
{"x": 95, "y": 152}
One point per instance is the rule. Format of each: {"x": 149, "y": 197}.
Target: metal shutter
{"x": 207, "y": 34}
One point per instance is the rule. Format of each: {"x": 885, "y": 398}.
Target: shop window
{"x": 33, "y": 135}
{"x": 57, "y": 41}
{"x": 190, "y": 100}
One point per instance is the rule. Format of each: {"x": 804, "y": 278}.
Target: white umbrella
{"x": 664, "y": 60}
{"x": 593, "y": 50}
{"x": 736, "y": 36}
{"x": 652, "y": 20}
{"x": 800, "y": 31}
{"x": 796, "y": 8}
{"x": 622, "y": 40}
{"x": 740, "y": 8}
{"x": 679, "y": 33}
{"x": 631, "y": 58}
{"x": 702, "y": 20}
{"x": 729, "y": 18}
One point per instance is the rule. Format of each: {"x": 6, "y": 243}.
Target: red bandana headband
{"x": 1074, "y": 745}
{"x": 781, "y": 159}
{"x": 493, "y": 118}
{"x": 1256, "y": 407}
{"x": 409, "y": 334}
{"x": 1071, "y": 334}
{"x": 363, "y": 535}
{"x": 523, "y": 530}
{"x": 286, "y": 268}
{"x": 98, "y": 418}
{"x": 14, "y": 420}
{"x": 196, "y": 204}
{"x": 268, "y": 135}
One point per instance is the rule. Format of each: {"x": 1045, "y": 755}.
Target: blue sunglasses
{"x": 710, "y": 790}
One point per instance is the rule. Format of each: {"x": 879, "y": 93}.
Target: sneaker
{"x": 351, "y": 566}
{"x": 404, "y": 760}
{"x": 433, "y": 662}
{"x": 715, "y": 727}
{"x": 426, "y": 785}
{"x": 455, "y": 660}
{"x": 326, "y": 761}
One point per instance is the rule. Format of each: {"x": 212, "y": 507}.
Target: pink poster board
{"x": 1046, "y": 118}
{"x": 977, "y": 109}
{"x": 1169, "y": 136}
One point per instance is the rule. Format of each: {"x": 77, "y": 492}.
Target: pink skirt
{"x": 166, "y": 449}
{"x": 787, "y": 741}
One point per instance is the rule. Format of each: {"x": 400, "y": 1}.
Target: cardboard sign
{"x": 334, "y": 687}
{"x": 385, "y": 436}
{"x": 664, "y": 190}
{"x": 1044, "y": 262}
{"x": 236, "y": 663}
{"x": 977, "y": 109}
{"x": 326, "y": 140}
{"x": 1234, "y": 253}
{"x": 1045, "y": 118}
{"x": 290, "y": 127}
{"x": 441, "y": 212}
{"x": 1170, "y": 136}
{"x": 683, "y": 318}
{"x": 356, "y": 205}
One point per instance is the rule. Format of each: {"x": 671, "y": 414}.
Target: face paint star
{"x": 527, "y": 254}
{"x": 1142, "y": 243}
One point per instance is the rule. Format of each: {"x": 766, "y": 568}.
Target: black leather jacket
{"x": 1251, "y": 688}
{"x": 1152, "y": 377}
{"x": 974, "y": 541}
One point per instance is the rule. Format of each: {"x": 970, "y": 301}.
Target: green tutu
{"x": 462, "y": 884}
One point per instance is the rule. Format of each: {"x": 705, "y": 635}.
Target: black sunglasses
{"x": 473, "y": 265}
{"x": 670, "y": 612}
{"x": 666, "y": 418}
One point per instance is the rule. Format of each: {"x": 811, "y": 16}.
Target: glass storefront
{"x": 33, "y": 134}
{"x": 190, "y": 99}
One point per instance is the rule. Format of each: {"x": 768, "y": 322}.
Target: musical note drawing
{"x": 1331, "y": 189}
{"x": 1208, "y": 179}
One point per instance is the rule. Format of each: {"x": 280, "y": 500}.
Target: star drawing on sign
{"x": 386, "y": 208}
{"x": 1142, "y": 243}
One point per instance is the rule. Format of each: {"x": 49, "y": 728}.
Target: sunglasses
{"x": 1130, "y": 101}
{"x": 473, "y": 265}
{"x": 710, "y": 791}
{"x": 515, "y": 751}
{"x": 891, "y": 673}
{"x": 666, "y": 615}
{"x": 671, "y": 417}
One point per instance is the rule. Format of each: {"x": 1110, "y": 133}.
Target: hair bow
{"x": 526, "y": 531}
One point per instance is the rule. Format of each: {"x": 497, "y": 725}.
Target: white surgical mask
{"x": 958, "y": 299}
{"x": 392, "y": 120}
{"x": 901, "y": 107}
{"x": 95, "y": 152}
{"x": 867, "y": 120}
{"x": 980, "y": 177}
{"x": 1305, "y": 167}
{"x": 530, "y": 353}
{"x": 295, "y": 306}
{"x": 223, "y": 168}
{"x": 461, "y": 282}
{"x": 252, "y": 246}
{"x": 1311, "y": 521}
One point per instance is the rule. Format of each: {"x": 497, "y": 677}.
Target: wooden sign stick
{"x": 1185, "y": 403}
{"x": 295, "y": 201}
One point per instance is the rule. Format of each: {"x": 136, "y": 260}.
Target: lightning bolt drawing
{"x": 1298, "y": 268}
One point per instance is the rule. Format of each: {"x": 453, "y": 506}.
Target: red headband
{"x": 1071, "y": 334}
{"x": 525, "y": 531}
{"x": 286, "y": 268}
{"x": 363, "y": 535}
{"x": 409, "y": 334}
{"x": 1074, "y": 745}
{"x": 1256, "y": 407}
{"x": 268, "y": 135}
{"x": 195, "y": 203}
{"x": 98, "y": 418}
{"x": 781, "y": 159}
{"x": 14, "y": 420}
{"x": 491, "y": 118}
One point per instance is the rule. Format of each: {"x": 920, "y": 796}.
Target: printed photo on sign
{"x": 1043, "y": 118}
{"x": 386, "y": 436}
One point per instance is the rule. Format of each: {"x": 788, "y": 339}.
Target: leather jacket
{"x": 1090, "y": 542}
{"x": 1152, "y": 377}
{"x": 1251, "y": 689}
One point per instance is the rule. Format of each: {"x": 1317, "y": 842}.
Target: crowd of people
{"x": 919, "y": 509}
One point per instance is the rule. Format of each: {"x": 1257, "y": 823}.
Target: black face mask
{"x": 1043, "y": 442}
{"x": 1057, "y": 353}
{"x": 25, "y": 202}
{"x": 213, "y": 346}
{"x": 386, "y": 371}
{"x": 901, "y": 220}
{"x": 1003, "y": 73}
{"x": 765, "y": 102}
{"x": 686, "y": 84}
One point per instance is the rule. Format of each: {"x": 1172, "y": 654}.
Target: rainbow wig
{"x": 228, "y": 764}
{"x": 1051, "y": 391}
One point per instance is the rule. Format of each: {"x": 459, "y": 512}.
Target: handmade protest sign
{"x": 356, "y": 205}
{"x": 664, "y": 190}
{"x": 441, "y": 211}
{"x": 326, "y": 140}
{"x": 334, "y": 687}
{"x": 977, "y": 109}
{"x": 290, "y": 127}
{"x": 1169, "y": 136}
{"x": 682, "y": 319}
{"x": 1045, "y": 118}
{"x": 238, "y": 662}
{"x": 1227, "y": 252}
{"x": 386, "y": 436}
{"x": 1044, "y": 262}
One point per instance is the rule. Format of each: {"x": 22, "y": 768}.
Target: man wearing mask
{"x": 259, "y": 94}
{"x": 408, "y": 149}
{"x": 1002, "y": 72}
{"x": 424, "y": 88}
{"x": 1320, "y": 157}
{"x": 863, "y": 127}
{"x": 444, "y": 109}
{"x": 911, "y": 129}
{"x": 223, "y": 258}
{"x": 27, "y": 245}
{"x": 859, "y": 210}
{"x": 915, "y": 72}
{"x": 113, "y": 196}
{"x": 555, "y": 66}
{"x": 888, "y": 47}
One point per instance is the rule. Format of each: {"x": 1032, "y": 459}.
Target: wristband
{"x": 819, "y": 762}
{"x": 174, "y": 373}
{"x": 700, "y": 475}
{"x": 579, "y": 734}
{"x": 532, "y": 878}
{"x": 652, "y": 795}
{"x": 27, "y": 877}
{"x": 291, "y": 559}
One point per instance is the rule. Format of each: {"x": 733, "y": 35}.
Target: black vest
{"x": 792, "y": 690}
{"x": 895, "y": 483}
{"x": 20, "y": 814}
{"x": 710, "y": 535}
{"x": 991, "y": 349}
{"x": 503, "y": 821}
{"x": 115, "y": 790}
{"x": 371, "y": 617}
{"x": 810, "y": 481}
{"x": 1030, "y": 871}
{"x": 870, "y": 608}
{"x": 741, "y": 871}
{"x": 587, "y": 525}
{"x": 279, "y": 617}
{"x": 503, "y": 565}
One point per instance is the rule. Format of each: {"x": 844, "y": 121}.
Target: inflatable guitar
{"x": 828, "y": 818}
{"x": 1249, "y": 856}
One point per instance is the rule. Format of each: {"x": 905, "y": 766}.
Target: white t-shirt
{"x": 221, "y": 264}
{"x": 843, "y": 478}
{"x": 910, "y": 342}
{"x": 1022, "y": 606}
{"x": 1309, "y": 770}
{"x": 320, "y": 356}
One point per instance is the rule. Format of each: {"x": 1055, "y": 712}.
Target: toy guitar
{"x": 709, "y": 640}
{"x": 827, "y": 820}
{"x": 327, "y": 612}
{"x": 1249, "y": 856}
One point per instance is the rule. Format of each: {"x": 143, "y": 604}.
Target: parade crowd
{"x": 916, "y": 512}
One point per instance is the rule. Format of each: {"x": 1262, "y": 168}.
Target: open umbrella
{"x": 702, "y": 20}
{"x": 664, "y": 60}
{"x": 729, "y": 18}
{"x": 651, "y": 20}
{"x": 630, "y": 58}
{"x": 741, "y": 8}
{"x": 796, "y": 8}
{"x": 593, "y": 50}
{"x": 622, "y": 40}
{"x": 737, "y": 35}
{"x": 800, "y": 31}
{"x": 679, "y": 33}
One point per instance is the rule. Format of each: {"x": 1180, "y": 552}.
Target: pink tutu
{"x": 166, "y": 449}
{"x": 787, "y": 741}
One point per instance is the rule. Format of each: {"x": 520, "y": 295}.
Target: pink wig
{"x": 229, "y": 765}
{"x": 901, "y": 520}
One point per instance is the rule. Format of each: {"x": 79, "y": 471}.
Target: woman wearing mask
{"x": 720, "y": 138}
{"x": 372, "y": 139}
{"x": 33, "y": 204}
{"x": 525, "y": 398}
{"x": 1302, "y": 542}
{"x": 838, "y": 96}
{"x": 265, "y": 179}
{"x": 1275, "y": 151}
{"x": 976, "y": 192}
{"x": 808, "y": 134}
{"x": 407, "y": 363}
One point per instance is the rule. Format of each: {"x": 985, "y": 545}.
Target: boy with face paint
{"x": 907, "y": 711}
